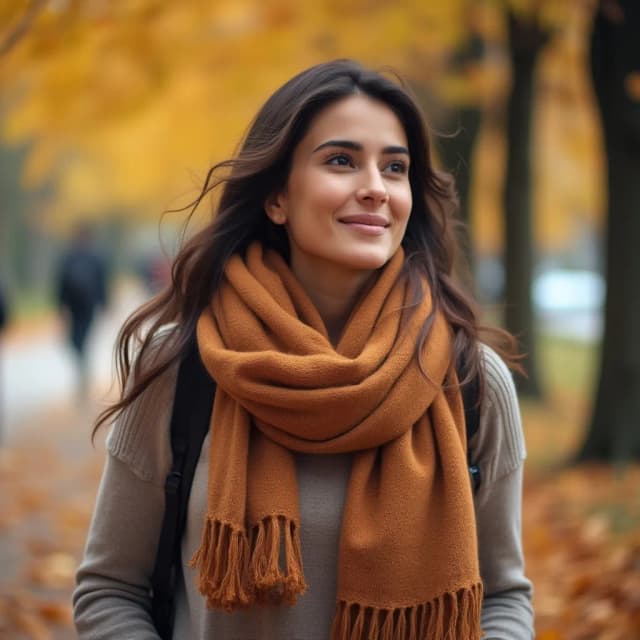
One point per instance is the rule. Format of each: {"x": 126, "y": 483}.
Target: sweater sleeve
{"x": 112, "y": 595}
{"x": 498, "y": 449}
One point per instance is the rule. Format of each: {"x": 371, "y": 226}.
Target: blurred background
{"x": 111, "y": 115}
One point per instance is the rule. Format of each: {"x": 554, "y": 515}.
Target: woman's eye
{"x": 397, "y": 166}
{"x": 340, "y": 160}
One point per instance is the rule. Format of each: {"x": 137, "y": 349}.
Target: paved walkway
{"x": 49, "y": 471}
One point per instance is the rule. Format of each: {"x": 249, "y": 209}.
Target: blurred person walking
{"x": 81, "y": 289}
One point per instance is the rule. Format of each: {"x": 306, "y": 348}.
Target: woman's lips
{"x": 367, "y": 223}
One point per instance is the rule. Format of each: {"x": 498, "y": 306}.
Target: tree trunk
{"x": 526, "y": 40}
{"x": 461, "y": 120}
{"x": 614, "y": 433}
{"x": 456, "y": 152}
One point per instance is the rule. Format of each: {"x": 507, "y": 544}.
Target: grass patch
{"x": 554, "y": 427}
{"x": 568, "y": 366}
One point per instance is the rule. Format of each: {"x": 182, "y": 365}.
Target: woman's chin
{"x": 369, "y": 261}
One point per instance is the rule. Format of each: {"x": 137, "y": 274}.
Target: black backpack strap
{"x": 471, "y": 400}
{"x": 189, "y": 425}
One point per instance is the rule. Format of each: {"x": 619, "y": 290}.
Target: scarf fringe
{"x": 223, "y": 564}
{"x": 232, "y": 576}
{"x": 450, "y": 616}
{"x": 271, "y": 537}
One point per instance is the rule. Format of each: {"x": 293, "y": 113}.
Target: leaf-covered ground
{"x": 581, "y": 528}
{"x": 581, "y": 531}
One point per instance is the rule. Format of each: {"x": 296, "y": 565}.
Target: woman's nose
{"x": 372, "y": 188}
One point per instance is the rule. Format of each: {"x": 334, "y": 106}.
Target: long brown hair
{"x": 261, "y": 168}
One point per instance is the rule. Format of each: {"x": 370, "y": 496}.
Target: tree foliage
{"x": 125, "y": 105}
{"x": 122, "y": 100}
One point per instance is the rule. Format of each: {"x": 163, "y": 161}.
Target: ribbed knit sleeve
{"x": 112, "y": 596}
{"x": 499, "y": 445}
{"x": 498, "y": 448}
{"x": 140, "y": 436}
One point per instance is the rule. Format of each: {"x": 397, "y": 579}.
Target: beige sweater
{"x": 112, "y": 595}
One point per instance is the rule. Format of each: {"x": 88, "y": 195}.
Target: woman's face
{"x": 347, "y": 200}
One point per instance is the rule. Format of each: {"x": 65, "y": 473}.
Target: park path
{"x": 49, "y": 470}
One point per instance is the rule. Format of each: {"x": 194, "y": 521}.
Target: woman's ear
{"x": 275, "y": 208}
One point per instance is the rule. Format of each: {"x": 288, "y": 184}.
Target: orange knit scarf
{"x": 408, "y": 564}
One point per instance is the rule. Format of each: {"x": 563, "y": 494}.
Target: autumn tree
{"x": 614, "y": 433}
{"x": 526, "y": 38}
{"x": 460, "y": 120}
{"x": 124, "y": 106}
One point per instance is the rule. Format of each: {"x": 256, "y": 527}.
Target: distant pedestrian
{"x": 81, "y": 290}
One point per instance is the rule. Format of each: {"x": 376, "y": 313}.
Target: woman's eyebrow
{"x": 356, "y": 146}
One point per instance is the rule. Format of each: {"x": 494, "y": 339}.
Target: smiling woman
{"x": 333, "y": 486}
{"x": 346, "y": 203}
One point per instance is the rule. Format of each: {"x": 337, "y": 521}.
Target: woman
{"x": 331, "y": 498}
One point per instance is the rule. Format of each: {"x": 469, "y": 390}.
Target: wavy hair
{"x": 261, "y": 168}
